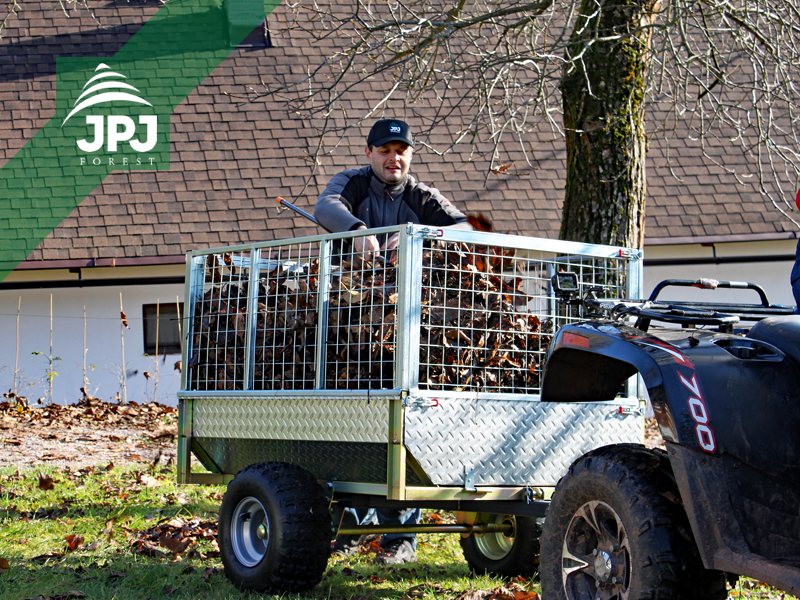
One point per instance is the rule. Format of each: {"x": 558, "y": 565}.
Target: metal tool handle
{"x": 283, "y": 202}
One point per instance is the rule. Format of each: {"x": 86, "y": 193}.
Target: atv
{"x": 723, "y": 500}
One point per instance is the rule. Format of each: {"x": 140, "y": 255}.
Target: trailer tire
{"x": 615, "y": 528}
{"x": 274, "y": 529}
{"x": 498, "y": 554}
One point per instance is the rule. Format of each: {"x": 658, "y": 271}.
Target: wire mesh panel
{"x": 465, "y": 312}
{"x": 284, "y": 341}
{"x": 361, "y": 320}
{"x": 219, "y": 326}
{"x": 489, "y": 312}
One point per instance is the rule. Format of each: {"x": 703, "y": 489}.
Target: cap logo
{"x": 395, "y": 129}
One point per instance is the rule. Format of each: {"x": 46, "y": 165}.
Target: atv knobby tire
{"x": 500, "y": 554}
{"x": 274, "y": 529}
{"x": 615, "y": 529}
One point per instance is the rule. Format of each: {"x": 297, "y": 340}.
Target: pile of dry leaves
{"x": 476, "y": 331}
{"x": 177, "y": 537}
{"x": 90, "y": 432}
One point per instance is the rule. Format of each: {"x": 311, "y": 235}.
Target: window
{"x": 169, "y": 341}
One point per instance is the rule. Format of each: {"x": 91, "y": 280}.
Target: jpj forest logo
{"x": 113, "y": 123}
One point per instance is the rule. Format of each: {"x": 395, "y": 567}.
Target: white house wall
{"x": 773, "y": 276}
{"x": 103, "y": 342}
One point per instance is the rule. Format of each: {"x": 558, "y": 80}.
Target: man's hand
{"x": 366, "y": 244}
{"x": 392, "y": 242}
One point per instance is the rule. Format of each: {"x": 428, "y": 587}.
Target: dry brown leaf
{"x": 149, "y": 481}
{"x": 74, "y": 542}
{"x": 45, "y": 482}
{"x": 5, "y": 566}
{"x": 174, "y": 544}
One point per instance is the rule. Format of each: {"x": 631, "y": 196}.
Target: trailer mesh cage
{"x": 446, "y": 310}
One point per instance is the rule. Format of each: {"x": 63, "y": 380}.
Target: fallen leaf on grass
{"x": 112, "y": 574}
{"x": 148, "y": 549}
{"x": 208, "y": 572}
{"x": 73, "y": 542}
{"x": 148, "y": 481}
{"x": 418, "y": 591}
{"x": 108, "y": 531}
{"x": 69, "y": 594}
{"x": 174, "y": 544}
{"x": 434, "y": 519}
{"x": 48, "y": 556}
{"x": 501, "y": 593}
{"x": 46, "y": 482}
{"x": 4, "y": 566}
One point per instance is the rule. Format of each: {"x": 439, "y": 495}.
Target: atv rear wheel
{"x": 511, "y": 554}
{"x": 274, "y": 529}
{"x": 615, "y": 530}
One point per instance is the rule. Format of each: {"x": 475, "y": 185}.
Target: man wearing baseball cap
{"x": 381, "y": 194}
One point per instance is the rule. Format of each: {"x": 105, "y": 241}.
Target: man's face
{"x": 391, "y": 161}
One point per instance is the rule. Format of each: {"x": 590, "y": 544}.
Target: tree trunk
{"x": 603, "y": 99}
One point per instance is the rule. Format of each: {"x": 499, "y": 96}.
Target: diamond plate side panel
{"x": 308, "y": 419}
{"x": 329, "y": 461}
{"x": 510, "y": 442}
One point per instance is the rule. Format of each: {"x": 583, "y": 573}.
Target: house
{"x": 122, "y": 249}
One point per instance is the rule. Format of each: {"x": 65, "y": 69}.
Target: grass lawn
{"x": 132, "y": 534}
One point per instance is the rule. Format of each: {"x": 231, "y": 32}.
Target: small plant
{"x": 50, "y": 374}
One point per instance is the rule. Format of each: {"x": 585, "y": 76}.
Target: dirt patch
{"x": 91, "y": 432}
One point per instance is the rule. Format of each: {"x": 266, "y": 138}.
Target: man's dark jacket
{"x": 356, "y": 197}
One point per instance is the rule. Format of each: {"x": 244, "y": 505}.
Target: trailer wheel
{"x": 615, "y": 529}
{"x": 502, "y": 554}
{"x": 274, "y": 529}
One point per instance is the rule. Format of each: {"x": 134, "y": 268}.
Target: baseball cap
{"x": 389, "y": 130}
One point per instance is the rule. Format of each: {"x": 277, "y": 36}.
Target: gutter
{"x": 88, "y": 283}
{"x": 718, "y": 260}
{"x": 87, "y": 263}
{"x": 721, "y": 239}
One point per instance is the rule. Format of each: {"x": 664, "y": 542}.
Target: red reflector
{"x": 575, "y": 340}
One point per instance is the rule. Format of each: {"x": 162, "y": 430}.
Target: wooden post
{"x": 122, "y": 343}
{"x": 16, "y": 356}
{"x": 155, "y": 375}
{"x": 50, "y": 357}
{"x": 84, "y": 352}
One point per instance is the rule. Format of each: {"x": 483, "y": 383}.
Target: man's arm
{"x": 435, "y": 209}
{"x": 337, "y": 204}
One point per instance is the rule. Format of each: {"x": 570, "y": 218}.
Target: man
{"x": 378, "y": 195}
{"x": 383, "y": 193}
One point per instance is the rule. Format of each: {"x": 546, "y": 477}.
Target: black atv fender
{"x": 590, "y": 361}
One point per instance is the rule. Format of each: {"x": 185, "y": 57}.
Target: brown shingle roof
{"x": 230, "y": 160}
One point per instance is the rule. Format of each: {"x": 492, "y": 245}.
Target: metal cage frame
{"x": 247, "y": 263}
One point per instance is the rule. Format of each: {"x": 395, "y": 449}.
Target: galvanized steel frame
{"x": 406, "y": 369}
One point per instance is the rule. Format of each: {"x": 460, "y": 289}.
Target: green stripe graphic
{"x": 164, "y": 61}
